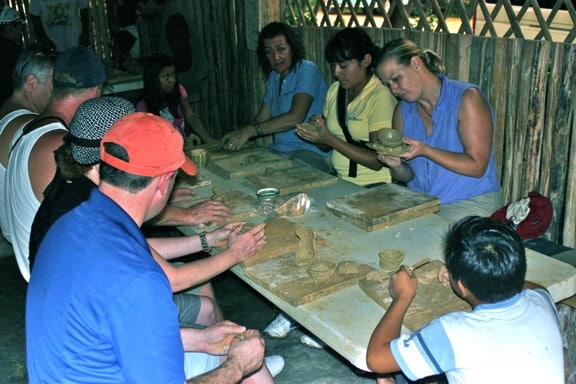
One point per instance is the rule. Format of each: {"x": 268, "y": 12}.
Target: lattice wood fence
{"x": 502, "y": 19}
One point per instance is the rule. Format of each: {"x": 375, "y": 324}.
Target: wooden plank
{"x": 247, "y": 163}
{"x": 293, "y": 284}
{"x": 382, "y": 206}
{"x": 431, "y": 301}
{"x": 294, "y": 179}
{"x": 280, "y": 239}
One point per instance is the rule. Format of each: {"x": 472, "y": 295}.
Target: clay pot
{"x": 199, "y": 157}
{"x": 390, "y": 259}
{"x": 390, "y": 137}
{"x": 321, "y": 271}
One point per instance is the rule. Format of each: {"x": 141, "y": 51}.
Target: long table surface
{"x": 344, "y": 320}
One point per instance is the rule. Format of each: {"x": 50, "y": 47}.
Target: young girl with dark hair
{"x": 164, "y": 96}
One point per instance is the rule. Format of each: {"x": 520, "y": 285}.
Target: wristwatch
{"x": 204, "y": 242}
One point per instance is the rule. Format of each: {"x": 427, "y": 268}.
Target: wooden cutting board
{"x": 280, "y": 239}
{"x": 245, "y": 163}
{"x": 215, "y": 150}
{"x": 192, "y": 182}
{"x": 432, "y": 298}
{"x": 382, "y": 206}
{"x": 293, "y": 284}
{"x": 297, "y": 178}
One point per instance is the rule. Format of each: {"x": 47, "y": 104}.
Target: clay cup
{"x": 199, "y": 156}
{"x": 390, "y": 259}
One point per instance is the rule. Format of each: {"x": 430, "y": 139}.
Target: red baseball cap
{"x": 153, "y": 145}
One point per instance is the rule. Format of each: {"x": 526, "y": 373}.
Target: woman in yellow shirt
{"x": 357, "y": 106}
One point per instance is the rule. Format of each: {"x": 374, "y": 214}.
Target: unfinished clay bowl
{"x": 390, "y": 137}
{"x": 321, "y": 271}
{"x": 390, "y": 259}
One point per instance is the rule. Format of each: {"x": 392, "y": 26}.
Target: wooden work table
{"x": 344, "y": 320}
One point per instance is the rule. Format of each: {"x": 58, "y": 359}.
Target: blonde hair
{"x": 403, "y": 50}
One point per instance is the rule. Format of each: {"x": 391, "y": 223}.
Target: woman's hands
{"x": 315, "y": 132}
{"x": 234, "y": 141}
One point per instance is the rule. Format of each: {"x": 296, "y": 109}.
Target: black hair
{"x": 118, "y": 178}
{"x": 487, "y": 256}
{"x": 349, "y": 44}
{"x": 293, "y": 39}
{"x": 155, "y": 98}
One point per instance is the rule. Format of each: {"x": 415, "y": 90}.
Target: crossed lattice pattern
{"x": 551, "y": 20}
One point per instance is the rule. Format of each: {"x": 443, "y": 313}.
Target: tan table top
{"x": 345, "y": 319}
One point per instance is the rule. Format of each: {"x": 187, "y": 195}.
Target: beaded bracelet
{"x": 204, "y": 242}
{"x": 256, "y": 125}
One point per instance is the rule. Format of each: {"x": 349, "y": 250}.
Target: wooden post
{"x": 266, "y": 11}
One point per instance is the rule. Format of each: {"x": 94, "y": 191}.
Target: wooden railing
{"x": 495, "y": 19}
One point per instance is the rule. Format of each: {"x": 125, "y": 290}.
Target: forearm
{"x": 461, "y": 163}
{"x": 198, "y": 128}
{"x": 361, "y": 155}
{"x": 197, "y": 272}
{"x": 228, "y": 372}
{"x": 379, "y": 355}
{"x": 173, "y": 215}
{"x": 402, "y": 173}
{"x": 172, "y": 247}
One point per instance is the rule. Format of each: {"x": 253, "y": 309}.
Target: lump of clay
{"x": 378, "y": 276}
{"x": 348, "y": 268}
{"x": 311, "y": 127}
{"x": 306, "y": 251}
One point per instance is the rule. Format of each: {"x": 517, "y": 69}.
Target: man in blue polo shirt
{"x": 99, "y": 308}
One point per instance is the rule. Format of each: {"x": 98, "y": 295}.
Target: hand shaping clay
{"x": 306, "y": 251}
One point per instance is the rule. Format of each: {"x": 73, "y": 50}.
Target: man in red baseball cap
{"x": 99, "y": 308}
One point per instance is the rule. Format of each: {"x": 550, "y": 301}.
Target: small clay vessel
{"x": 321, "y": 271}
{"x": 390, "y": 259}
{"x": 306, "y": 252}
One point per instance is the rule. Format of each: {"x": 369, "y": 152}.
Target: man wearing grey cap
{"x": 78, "y": 75}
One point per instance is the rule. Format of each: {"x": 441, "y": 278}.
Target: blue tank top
{"x": 431, "y": 178}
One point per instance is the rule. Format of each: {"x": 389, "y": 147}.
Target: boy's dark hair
{"x": 348, "y": 44}
{"x": 293, "y": 39}
{"x": 153, "y": 94}
{"x": 488, "y": 257}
